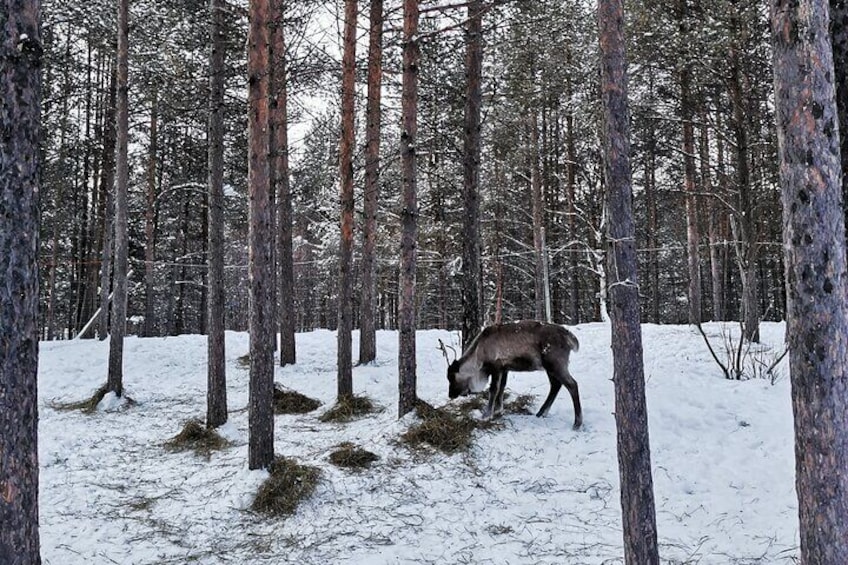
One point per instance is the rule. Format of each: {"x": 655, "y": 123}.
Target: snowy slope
{"x": 535, "y": 492}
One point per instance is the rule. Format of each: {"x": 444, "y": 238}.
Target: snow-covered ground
{"x": 533, "y": 492}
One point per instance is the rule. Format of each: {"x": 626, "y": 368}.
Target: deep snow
{"x": 534, "y": 492}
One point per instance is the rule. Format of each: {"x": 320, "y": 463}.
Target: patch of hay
{"x": 352, "y": 457}
{"x": 349, "y": 408}
{"x": 198, "y": 438}
{"x": 521, "y": 405}
{"x": 476, "y": 402}
{"x": 445, "y": 430}
{"x": 288, "y": 484}
{"x": 292, "y": 402}
{"x": 89, "y": 405}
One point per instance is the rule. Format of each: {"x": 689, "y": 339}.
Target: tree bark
{"x": 713, "y": 223}
{"x": 261, "y": 319}
{"x": 472, "y": 292}
{"x": 839, "y": 40}
{"x": 745, "y": 228}
{"x": 216, "y": 374}
{"x": 150, "y": 224}
{"x": 283, "y": 201}
{"x": 814, "y": 240}
{"x": 689, "y": 186}
{"x": 345, "y": 325}
{"x": 407, "y": 310}
{"x": 538, "y": 218}
{"x": 114, "y": 382}
{"x": 367, "y": 327}
{"x": 20, "y": 122}
{"x": 634, "y": 454}
{"x": 108, "y": 205}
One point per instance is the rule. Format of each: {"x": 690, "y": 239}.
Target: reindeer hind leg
{"x": 566, "y": 379}
{"x": 555, "y": 386}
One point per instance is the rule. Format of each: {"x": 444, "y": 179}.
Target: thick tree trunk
{"x": 367, "y": 327}
{"x": 260, "y": 270}
{"x": 839, "y": 40}
{"x": 345, "y": 326}
{"x": 150, "y": 225}
{"x": 20, "y": 122}
{"x": 407, "y": 310}
{"x": 216, "y": 374}
{"x": 282, "y": 190}
{"x": 472, "y": 292}
{"x": 107, "y": 207}
{"x": 634, "y": 454}
{"x": 814, "y": 240}
{"x": 115, "y": 380}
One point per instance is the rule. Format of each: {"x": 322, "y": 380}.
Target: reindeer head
{"x": 455, "y": 388}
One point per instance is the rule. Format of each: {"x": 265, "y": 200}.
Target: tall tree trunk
{"x": 744, "y": 225}
{"x": 367, "y": 327}
{"x": 107, "y": 205}
{"x": 571, "y": 197}
{"x": 407, "y": 309}
{"x": 283, "y": 201}
{"x": 20, "y": 122}
{"x": 216, "y": 373}
{"x": 538, "y": 217}
{"x": 261, "y": 321}
{"x": 689, "y": 188}
{"x": 182, "y": 286}
{"x": 814, "y": 240}
{"x": 631, "y": 417}
{"x": 150, "y": 223}
{"x": 713, "y": 223}
{"x": 51, "y": 276}
{"x": 472, "y": 291}
{"x": 839, "y": 40}
{"x": 345, "y": 325}
{"x": 115, "y": 380}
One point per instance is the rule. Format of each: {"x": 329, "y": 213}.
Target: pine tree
{"x": 814, "y": 240}
{"x": 20, "y": 155}
{"x": 631, "y": 418}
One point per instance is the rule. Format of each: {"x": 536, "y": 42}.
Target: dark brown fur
{"x": 519, "y": 346}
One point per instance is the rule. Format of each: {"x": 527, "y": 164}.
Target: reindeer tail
{"x": 571, "y": 339}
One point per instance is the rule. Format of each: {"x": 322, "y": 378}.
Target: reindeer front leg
{"x": 494, "y": 408}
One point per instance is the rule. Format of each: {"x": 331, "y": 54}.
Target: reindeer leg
{"x": 555, "y": 386}
{"x": 494, "y": 385}
{"x": 498, "y": 411}
{"x": 571, "y": 385}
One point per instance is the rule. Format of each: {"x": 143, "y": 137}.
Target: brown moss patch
{"x": 349, "y": 408}
{"x": 352, "y": 457}
{"x": 288, "y": 484}
{"x": 288, "y": 401}
{"x": 198, "y": 438}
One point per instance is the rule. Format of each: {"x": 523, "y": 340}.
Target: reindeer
{"x": 519, "y": 346}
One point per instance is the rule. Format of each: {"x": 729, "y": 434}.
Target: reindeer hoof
{"x": 485, "y": 414}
